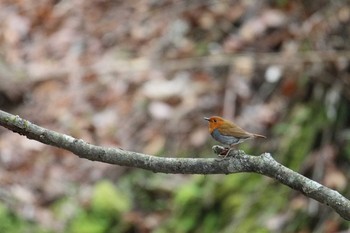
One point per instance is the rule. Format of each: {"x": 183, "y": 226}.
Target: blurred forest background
{"x": 141, "y": 75}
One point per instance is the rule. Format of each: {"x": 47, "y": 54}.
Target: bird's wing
{"x": 233, "y": 130}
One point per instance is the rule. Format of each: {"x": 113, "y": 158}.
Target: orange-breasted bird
{"x": 228, "y": 133}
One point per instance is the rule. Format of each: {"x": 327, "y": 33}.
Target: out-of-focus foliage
{"x": 9, "y": 222}
{"x": 107, "y": 199}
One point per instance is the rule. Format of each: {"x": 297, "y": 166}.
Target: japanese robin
{"x": 228, "y": 133}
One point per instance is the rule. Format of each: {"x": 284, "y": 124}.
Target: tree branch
{"x": 263, "y": 164}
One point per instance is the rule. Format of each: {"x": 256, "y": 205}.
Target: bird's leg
{"x": 237, "y": 152}
{"x": 224, "y": 152}
{"x": 232, "y": 147}
{"x": 223, "y": 155}
{"x": 220, "y": 151}
{"x": 228, "y": 152}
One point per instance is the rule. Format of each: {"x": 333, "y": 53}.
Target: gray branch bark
{"x": 263, "y": 164}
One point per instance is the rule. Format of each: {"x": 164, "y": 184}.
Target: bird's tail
{"x": 258, "y": 136}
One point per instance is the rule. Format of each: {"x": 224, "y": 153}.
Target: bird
{"x": 228, "y": 133}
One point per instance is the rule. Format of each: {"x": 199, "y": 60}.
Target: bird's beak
{"x": 207, "y": 118}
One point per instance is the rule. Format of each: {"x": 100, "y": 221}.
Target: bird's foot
{"x": 219, "y": 150}
{"x": 226, "y": 152}
{"x": 230, "y": 152}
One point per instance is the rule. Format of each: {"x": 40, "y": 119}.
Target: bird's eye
{"x": 214, "y": 120}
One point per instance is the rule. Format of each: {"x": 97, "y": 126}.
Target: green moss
{"x": 10, "y": 222}
{"x": 187, "y": 194}
{"x": 108, "y": 203}
{"x": 89, "y": 223}
{"x": 299, "y": 133}
{"x": 210, "y": 223}
{"x": 108, "y": 199}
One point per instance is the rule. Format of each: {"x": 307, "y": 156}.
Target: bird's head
{"x": 214, "y": 122}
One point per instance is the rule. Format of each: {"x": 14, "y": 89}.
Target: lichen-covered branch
{"x": 263, "y": 164}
